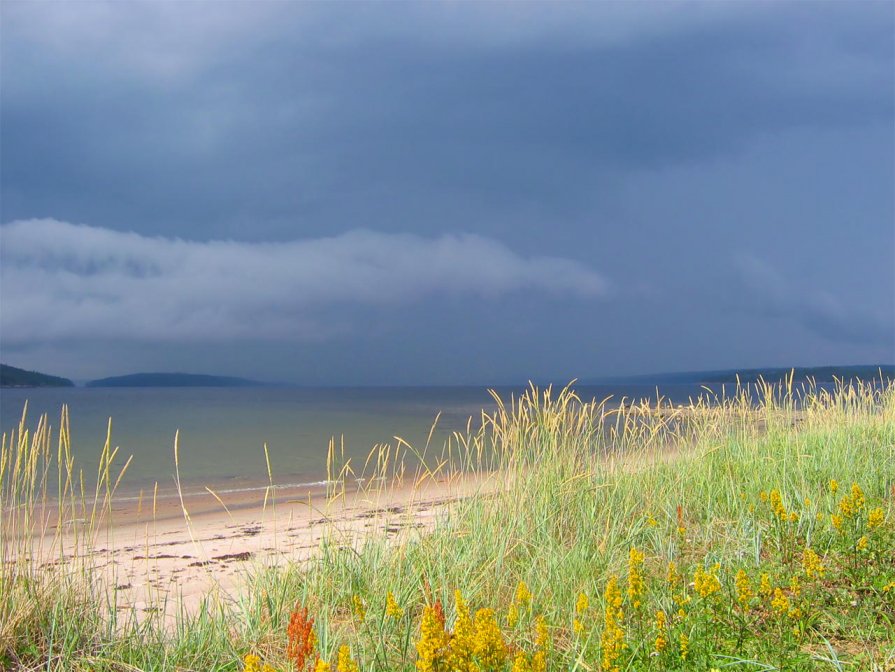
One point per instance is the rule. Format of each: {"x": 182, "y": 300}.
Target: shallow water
{"x": 223, "y": 430}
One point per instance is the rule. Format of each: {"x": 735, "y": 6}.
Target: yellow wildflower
{"x": 539, "y": 662}
{"x": 542, "y": 634}
{"x": 780, "y": 603}
{"x": 684, "y": 646}
{"x": 777, "y": 506}
{"x": 744, "y": 588}
{"x": 857, "y": 497}
{"x": 512, "y": 615}
{"x": 612, "y": 640}
{"x": 889, "y": 587}
{"x": 345, "y": 663}
{"x": 852, "y": 503}
{"x": 765, "y": 585}
{"x": 252, "y": 663}
{"x": 651, "y": 521}
{"x": 432, "y": 646}
{"x": 811, "y": 564}
{"x": 523, "y": 595}
{"x": 875, "y": 518}
{"x": 392, "y": 609}
{"x": 321, "y": 666}
{"x": 521, "y": 662}
{"x": 521, "y": 602}
{"x": 862, "y": 543}
{"x": 834, "y": 485}
{"x": 672, "y": 575}
{"x": 682, "y": 599}
{"x": 488, "y": 645}
{"x": 794, "y": 586}
{"x": 462, "y": 643}
{"x": 661, "y": 631}
{"x": 706, "y": 583}
{"x": 845, "y": 507}
{"x": 581, "y": 606}
{"x": 360, "y": 609}
{"x": 836, "y": 521}
{"x": 635, "y": 576}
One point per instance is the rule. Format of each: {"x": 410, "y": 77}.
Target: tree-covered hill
{"x": 171, "y": 380}
{"x": 10, "y": 376}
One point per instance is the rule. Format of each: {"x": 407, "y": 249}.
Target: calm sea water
{"x": 223, "y": 430}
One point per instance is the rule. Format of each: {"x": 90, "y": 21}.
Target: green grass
{"x": 580, "y": 486}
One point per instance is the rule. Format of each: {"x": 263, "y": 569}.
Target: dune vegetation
{"x": 753, "y": 532}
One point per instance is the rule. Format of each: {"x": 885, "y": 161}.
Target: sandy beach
{"x": 205, "y": 545}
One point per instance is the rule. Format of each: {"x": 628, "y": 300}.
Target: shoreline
{"x": 179, "y": 557}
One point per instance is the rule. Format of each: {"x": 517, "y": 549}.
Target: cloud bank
{"x": 63, "y": 281}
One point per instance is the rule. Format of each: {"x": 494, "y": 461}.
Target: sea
{"x": 223, "y": 431}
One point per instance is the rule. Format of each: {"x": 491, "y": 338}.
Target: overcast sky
{"x": 446, "y": 192}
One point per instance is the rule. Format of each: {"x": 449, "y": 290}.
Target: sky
{"x": 445, "y": 192}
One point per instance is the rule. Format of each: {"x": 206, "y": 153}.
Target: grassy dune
{"x": 753, "y": 533}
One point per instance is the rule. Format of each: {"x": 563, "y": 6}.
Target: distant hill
{"x": 820, "y": 374}
{"x": 171, "y": 380}
{"x": 10, "y": 376}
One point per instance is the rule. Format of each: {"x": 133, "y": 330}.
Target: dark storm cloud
{"x": 341, "y": 115}
{"x": 645, "y": 143}
{"x": 772, "y": 294}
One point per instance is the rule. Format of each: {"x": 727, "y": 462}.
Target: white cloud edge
{"x": 61, "y": 281}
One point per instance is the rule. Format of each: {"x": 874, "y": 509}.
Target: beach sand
{"x": 168, "y": 557}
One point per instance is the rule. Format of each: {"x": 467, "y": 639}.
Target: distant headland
{"x": 172, "y": 380}
{"x": 10, "y": 376}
